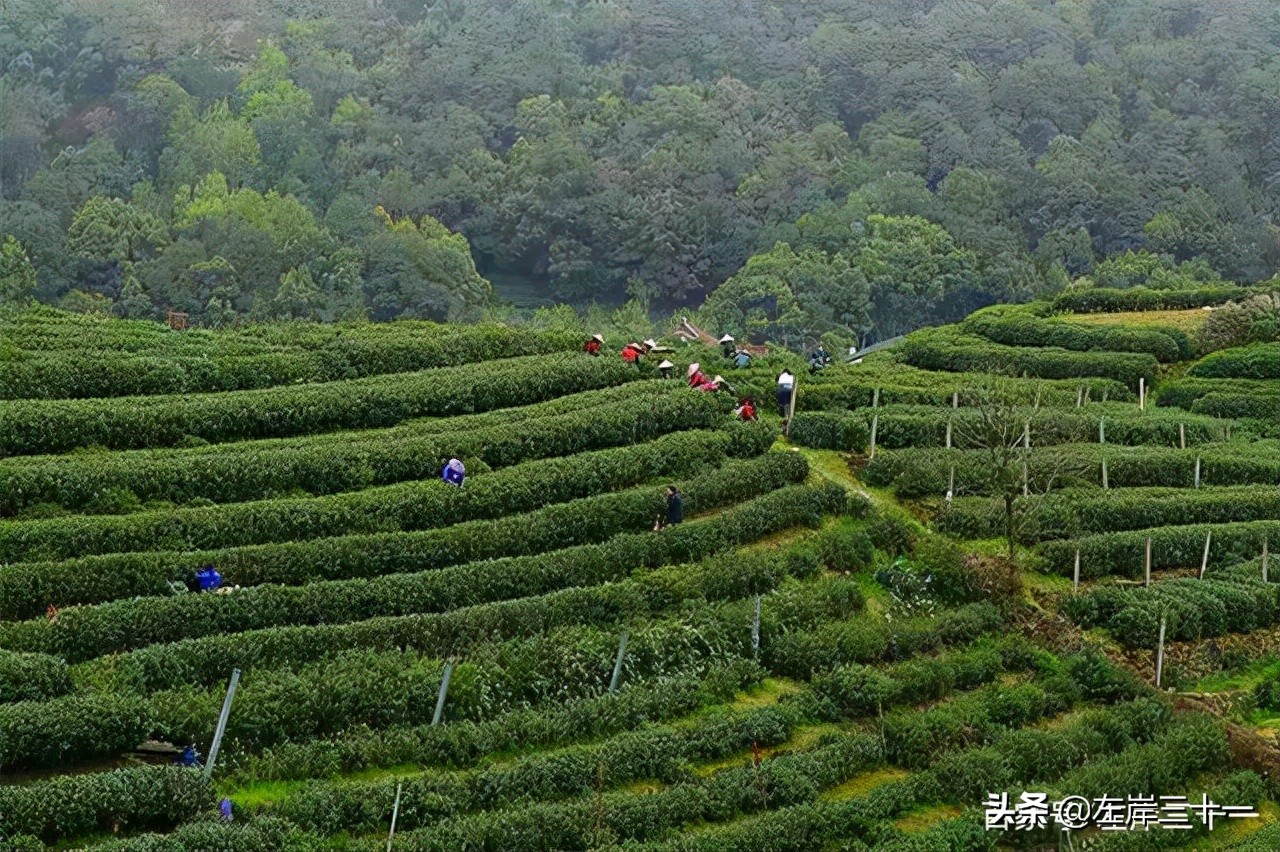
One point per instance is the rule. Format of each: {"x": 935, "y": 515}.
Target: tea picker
{"x": 592, "y": 347}
{"x": 454, "y": 472}
{"x": 665, "y": 368}
{"x": 726, "y": 346}
{"x": 786, "y": 386}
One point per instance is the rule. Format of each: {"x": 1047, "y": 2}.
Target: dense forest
{"x": 851, "y": 166}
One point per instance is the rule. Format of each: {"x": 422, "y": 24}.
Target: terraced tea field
{"x": 833, "y": 650}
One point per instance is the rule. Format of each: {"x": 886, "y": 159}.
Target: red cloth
{"x": 747, "y": 411}
{"x": 630, "y": 354}
{"x": 592, "y": 347}
{"x": 697, "y": 380}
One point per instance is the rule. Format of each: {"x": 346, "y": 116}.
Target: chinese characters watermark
{"x": 1109, "y": 813}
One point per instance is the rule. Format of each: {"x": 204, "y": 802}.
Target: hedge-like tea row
{"x": 1259, "y": 361}
{"x": 27, "y": 588}
{"x": 464, "y": 743}
{"x": 32, "y": 677}
{"x": 1195, "y": 608}
{"x": 626, "y": 817}
{"x": 913, "y": 739}
{"x": 70, "y": 806}
{"x": 856, "y": 690}
{"x": 804, "y": 654}
{"x": 898, "y": 427}
{"x": 405, "y": 506}
{"x": 1107, "y": 300}
{"x": 1020, "y": 327}
{"x": 470, "y": 593}
{"x": 1123, "y": 553}
{"x": 106, "y": 373}
{"x": 69, "y": 729}
{"x": 1231, "y": 406}
{"x": 1072, "y": 513}
{"x": 658, "y": 752}
{"x": 830, "y": 430}
{"x": 854, "y": 390}
{"x": 28, "y": 427}
{"x": 350, "y": 461}
{"x": 926, "y": 472}
{"x": 950, "y": 350}
{"x": 390, "y": 688}
{"x": 1182, "y": 393}
{"x": 1017, "y": 757}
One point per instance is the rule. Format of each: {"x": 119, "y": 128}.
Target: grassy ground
{"x": 1188, "y": 321}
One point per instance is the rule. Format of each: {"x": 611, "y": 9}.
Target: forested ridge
{"x": 848, "y": 165}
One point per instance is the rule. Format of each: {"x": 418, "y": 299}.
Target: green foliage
{"x": 948, "y": 349}
{"x": 17, "y": 275}
{"x": 1259, "y": 361}
{"x": 32, "y": 677}
{"x": 1022, "y": 327}
{"x": 1090, "y": 300}
{"x": 1252, "y": 320}
{"x": 73, "y": 728}
{"x": 1122, "y": 553}
{"x": 72, "y": 806}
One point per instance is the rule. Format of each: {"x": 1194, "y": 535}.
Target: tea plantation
{"x": 948, "y": 579}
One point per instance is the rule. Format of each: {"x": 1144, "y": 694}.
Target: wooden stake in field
{"x": 617, "y": 663}
{"x": 1160, "y": 651}
{"x": 755, "y": 630}
{"x": 1197, "y": 471}
{"x": 222, "y": 723}
{"x": 1142, "y": 394}
{"x": 948, "y": 433}
{"x": 1182, "y": 436}
{"x": 791, "y": 406}
{"x": 1102, "y": 430}
{"x": 1026, "y": 492}
{"x": 875, "y": 425}
{"x": 955, "y": 399}
{"x": 395, "y": 813}
{"x": 1204, "y": 560}
{"x": 444, "y": 691}
{"x": 1146, "y": 561}
{"x": 951, "y": 485}
{"x": 1075, "y": 573}
{"x": 1080, "y": 397}
{"x": 1105, "y": 484}
{"x": 1026, "y": 435}
{"x": 875, "y": 398}
{"x": 1264, "y": 559}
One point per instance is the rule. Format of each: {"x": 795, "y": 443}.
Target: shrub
{"x": 1195, "y": 609}
{"x": 1107, "y": 300}
{"x": 1171, "y": 547}
{"x": 830, "y": 431}
{"x": 350, "y": 461}
{"x": 70, "y": 806}
{"x": 32, "y": 677}
{"x": 1231, "y": 406}
{"x": 27, "y": 588}
{"x": 1021, "y": 327}
{"x": 1251, "y": 320}
{"x": 1259, "y": 361}
{"x": 948, "y": 349}
{"x": 35, "y": 734}
{"x": 42, "y": 427}
{"x": 846, "y": 547}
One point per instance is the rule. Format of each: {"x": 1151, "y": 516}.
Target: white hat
{"x": 665, "y": 365}
{"x": 717, "y": 380}
{"x": 693, "y": 368}
{"x": 651, "y": 343}
{"x": 728, "y": 338}
{"x": 598, "y": 337}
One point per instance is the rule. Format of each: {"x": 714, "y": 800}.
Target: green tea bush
{"x": 32, "y": 677}
{"x": 1122, "y": 553}
{"x": 1232, "y": 406}
{"x": 1195, "y": 609}
{"x": 1258, "y": 361}
{"x": 350, "y": 461}
{"x": 1103, "y": 300}
{"x": 406, "y": 506}
{"x": 948, "y": 349}
{"x": 1182, "y": 393}
{"x": 28, "y": 427}
{"x": 27, "y": 588}
{"x": 830, "y": 430}
{"x": 69, "y": 806}
{"x": 1021, "y": 326}
{"x": 62, "y": 731}
{"x": 1084, "y": 511}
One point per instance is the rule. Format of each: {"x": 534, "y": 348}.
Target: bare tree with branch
{"x": 1002, "y": 411}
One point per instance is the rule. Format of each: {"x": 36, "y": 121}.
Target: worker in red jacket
{"x": 592, "y": 346}
{"x": 631, "y": 353}
{"x": 698, "y": 380}
{"x": 745, "y": 409}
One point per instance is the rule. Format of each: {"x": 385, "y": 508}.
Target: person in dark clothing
{"x": 675, "y": 509}
{"x": 818, "y": 360}
{"x": 726, "y": 346}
